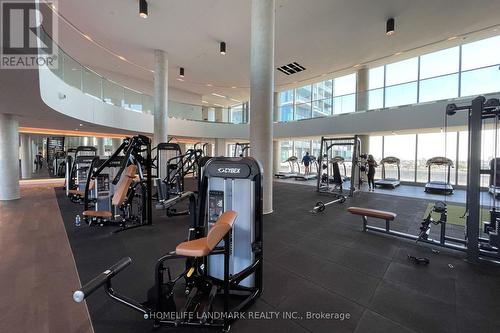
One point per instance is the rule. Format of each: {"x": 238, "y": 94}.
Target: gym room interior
{"x": 249, "y": 166}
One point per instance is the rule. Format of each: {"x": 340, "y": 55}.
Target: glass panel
{"x": 402, "y": 71}
{"x": 442, "y": 87}
{"x": 286, "y": 151}
{"x": 301, "y": 148}
{"x": 376, "y": 99}
{"x": 303, "y": 94}
{"x": 322, "y": 90}
{"x": 132, "y": 100}
{"x": 344, "y": 104}
{"x": 211, "y": 114}
{"x": 236, "y": 113}
{"x": 376, "y": 77}
{"x": 72, "y": 72}
{"x": 344, "y": 85}
{"x": 91, "y": 83}
{"x": 402, "y": 147}
{"x": 480, "y": 81}
{"x": 316, "y": 147}
{"x": 463, "y": 151}
{"x": 302, "y": 111}
{"x": 402, "y": 94}
{"x": 58, "y": 70}
{"x": 322, "y": 108}
{"x": 112, "y": 93}
{"x": 286, "y": 105}
{"x": 432, "y": 145}
{"x": 482, "y": 53}
{"x": 439, "y": 63}
{"x": 375, "y": 147}
{"x": 147, "y": 104}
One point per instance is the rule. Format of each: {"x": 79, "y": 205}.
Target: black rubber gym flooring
{"x": 319, "y": 263}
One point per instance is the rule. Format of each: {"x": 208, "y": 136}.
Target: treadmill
{"x": 439, "y": 186}
{"x": 293, "y": 163}
{"x": 494, "y": 188}
{"x": 310, "y": 175}
{"x": 387, "y": 181}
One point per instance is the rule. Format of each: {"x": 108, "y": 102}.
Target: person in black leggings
{"x": 372, "y": 164}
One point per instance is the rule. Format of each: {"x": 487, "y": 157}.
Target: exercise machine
{"x": 77, "y": 166}
{"x": 435, "y": 186}
{"x": 132, "y": 183}
{"x": 386, "y": 181}
{"x": 241, "y": 149}
{"x": 494, "y": 188}
{"x": 223, "y": 255}
{"x": 328, "y": 176}
{"x": 294, "y": 166}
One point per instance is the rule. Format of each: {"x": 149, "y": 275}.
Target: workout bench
{"x": 365, "y": 213}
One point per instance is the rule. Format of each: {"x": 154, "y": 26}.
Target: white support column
{"x": 362, "y": 89}
{"x": 9, "y": 157}
{"x": 160, "y": 98}
{"x": 220, "y": 147}
{"x": 261, "y": 92}
{"x": 25, "y": 156}
{"x": 276, "y": 156}
{"x": 100, "y": 147}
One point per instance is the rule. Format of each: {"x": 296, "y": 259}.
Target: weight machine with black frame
{"x": 226, "y": 267}
{"x": 241, "y": 149}
{"x": 480, "y": 113}
{"x": 326, "y": 182}
{"x": 136, "y": 151}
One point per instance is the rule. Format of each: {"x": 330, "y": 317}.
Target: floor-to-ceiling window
{"x": 401, "y": 82}
{"x": 402, "y": 147}
{"x": 344, "y": 94}
{"x": 322, "y": 98}
{"x": 376, "y": 82}
{"x": 286, "y": 105}
{"x": 303, "y": 102}
{"x": 236, "y": 114}
{"x": 439, "y": 75}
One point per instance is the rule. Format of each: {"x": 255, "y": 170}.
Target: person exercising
{"x": 306, "y": 160}
{"x": 372, "y": 164}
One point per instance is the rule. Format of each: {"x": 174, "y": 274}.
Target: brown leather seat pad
{"x": 379, "y": 214}
{"x": 98, "y": 213}
{"x": 201, "y": 247}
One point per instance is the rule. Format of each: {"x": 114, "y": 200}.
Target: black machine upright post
{"x": 149, "y": 183}
{"x": 474, "y": 181}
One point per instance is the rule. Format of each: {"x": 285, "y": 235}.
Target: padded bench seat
{"x": 378, "y": 214}
{"x": 98, "y": 213}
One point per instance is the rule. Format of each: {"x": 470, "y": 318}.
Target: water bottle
{"x": 78, "y": 221}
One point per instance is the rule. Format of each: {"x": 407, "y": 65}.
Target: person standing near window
{"x": 306, "y": 160}
{"x": 372, "y": 164}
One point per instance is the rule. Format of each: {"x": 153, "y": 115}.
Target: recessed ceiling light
{"x": 204, "y": 102}
{"x": 389, "y": 27}
{"x": 81, "y": 125}
{"x": 452, "y": 38}
{"x": 88, "y": 37}
{"x": 218, "y": 95}
{"x": 222, "y": 48}
{"x": 324, "y": 74}
{"x": 179, "y": 79}
{"x": 122, "y": 58}
{"x": 218, "y": 105}
{"x": 357, "y": 65}
{"x": 143, "y": 8}
{"x": 398, "y": 53}
{"x": 235, "y": 100}
{"x": 233, "y": 87}
{"x": 53, "y": 7}
{"x": 208, "y": 85}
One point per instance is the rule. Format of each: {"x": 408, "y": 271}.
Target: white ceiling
{"x": 323, "y": 35}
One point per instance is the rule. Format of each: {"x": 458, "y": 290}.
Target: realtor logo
{"x": 27, "y": 34}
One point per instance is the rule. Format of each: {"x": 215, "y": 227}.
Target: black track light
{"x": 223, "y": 48}
{"x": 143, "y": 8}
{"x": 389, "y": 30}
{"x": 181, "y": 72}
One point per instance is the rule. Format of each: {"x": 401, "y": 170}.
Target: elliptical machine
{"x": 223, "y": 256}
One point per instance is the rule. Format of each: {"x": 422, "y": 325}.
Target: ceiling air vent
{"x": 291, "y": 68}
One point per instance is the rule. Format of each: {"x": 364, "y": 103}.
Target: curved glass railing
{"x": 108, "y": 91}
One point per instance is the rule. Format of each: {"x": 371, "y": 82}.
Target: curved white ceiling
{"x": 322, "y": 35}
